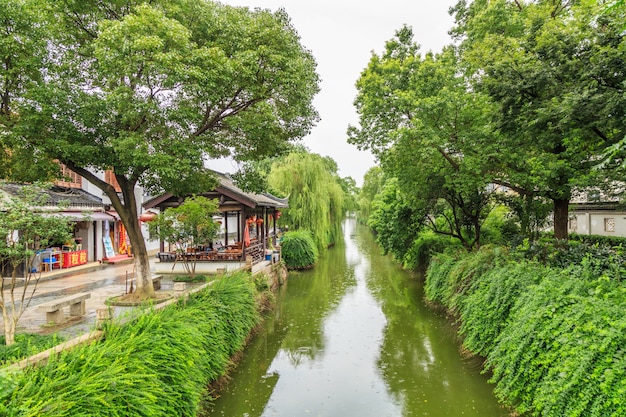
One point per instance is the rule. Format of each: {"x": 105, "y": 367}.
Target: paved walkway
{"x": 102, "y": 281}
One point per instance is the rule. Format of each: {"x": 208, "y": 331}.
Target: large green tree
{"x": 23, "y": 54}
{"x": 429, "y": 131}
{"x": 557, "y": 71}
{"x": 150, "y": 90}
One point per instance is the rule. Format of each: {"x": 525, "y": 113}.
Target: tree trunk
{"x": 9, "y": 329}
{"x": 128, "y": 213}
{"x": 561, "y": 213}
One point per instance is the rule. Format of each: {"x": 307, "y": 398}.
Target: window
{"x": 69, "y": 178}
{"x": 609, "y": 224}
{"x": 109, "y": 178}
{"x": 573, "y": 223}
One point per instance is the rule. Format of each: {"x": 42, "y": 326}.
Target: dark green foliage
{"x": 299, "y": 250}
{"x": 611, "y": 241}
{"x": 25, "y": 345}
{"x": 425, "y": 247}
{"x": 159, "y": 365}
{"x": 562, "y": 254}
{"x": 554, "y": 338}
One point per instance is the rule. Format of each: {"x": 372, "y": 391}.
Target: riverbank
{"x": 163, "y": 360}
{"x": 553, "y": 337}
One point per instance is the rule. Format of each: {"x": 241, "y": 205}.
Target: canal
{"x": 352, "y": 337}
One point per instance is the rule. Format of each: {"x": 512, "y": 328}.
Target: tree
{"x": 188, "y": 226}
{"x": 149, "y": 90}
{"x": 557, "y": 71}
{"x": 395, "y": 221}
{"x": 373, "y": 182}
{"x": 431, "y": 132}
{"x": 23, "y": 231}
{"x": 315, "y": 196}
{"x": 22, "y": 55}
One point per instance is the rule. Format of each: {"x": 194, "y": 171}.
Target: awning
{"x": 82, "y": 216}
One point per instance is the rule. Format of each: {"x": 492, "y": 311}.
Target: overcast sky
{"x": 342, "y": 35}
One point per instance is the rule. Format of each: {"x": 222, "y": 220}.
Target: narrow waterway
{"x": 352, "y": 337}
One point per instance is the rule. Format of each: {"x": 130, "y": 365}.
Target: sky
{"x": 342, "y": 34}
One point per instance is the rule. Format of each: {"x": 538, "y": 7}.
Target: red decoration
{"x": 278, "y": 214}
{"x": 259, "y": 222}
{"x": 148, "y": 216}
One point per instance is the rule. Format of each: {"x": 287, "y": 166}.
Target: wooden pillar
{"x": 242, "y": 224}
{"x": 239, "y": 229}
{"x": 226, "y": 230}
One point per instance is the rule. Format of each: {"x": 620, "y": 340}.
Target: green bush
{"x": 486, "y": 309}
{"x": 158, "y": 365}
{"x": 427, "y": 245}
{"x": 299, "y": 250}
{"x": 554, "y": 338}
{"x": 563, "y": 353}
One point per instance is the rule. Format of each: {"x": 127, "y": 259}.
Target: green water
{"x": 352, "y": 337}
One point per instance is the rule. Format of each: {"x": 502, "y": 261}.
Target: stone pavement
{"x": 102, "y": 281}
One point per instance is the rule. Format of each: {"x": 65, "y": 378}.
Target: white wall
{"x": 597, "y": 223}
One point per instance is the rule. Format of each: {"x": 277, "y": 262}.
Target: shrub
{"x": 299, "y": 250}
{"x": 425, "y": 247}
{"x": 158, "y": 365}
{"x": 562, "y": 352}
{"x": 554, "y": 338}
{"x": 486, "y": 309}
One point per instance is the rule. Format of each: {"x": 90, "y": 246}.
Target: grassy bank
{"x": 158, "y": 365}
{"x": 554, "y": 337}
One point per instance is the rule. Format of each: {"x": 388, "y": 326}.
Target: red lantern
{"x": 278, "y": 214}
{"x": 259, "y": 222}
{"x": 148, "y": 216}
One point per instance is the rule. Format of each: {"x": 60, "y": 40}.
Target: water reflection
{"x": 352, "y": 338}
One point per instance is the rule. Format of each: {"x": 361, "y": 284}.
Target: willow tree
{"x": 151, "y": 89}
{"x": 315, "y": 196}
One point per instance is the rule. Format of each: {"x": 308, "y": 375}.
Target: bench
{"x": 53, "y": 309}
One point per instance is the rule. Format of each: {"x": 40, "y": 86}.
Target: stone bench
{"x": 54, "y": 308}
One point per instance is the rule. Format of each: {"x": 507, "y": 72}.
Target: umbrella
{"x": 246, "y": 236}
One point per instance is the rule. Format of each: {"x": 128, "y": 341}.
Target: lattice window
{"x": 609, "y": 224}
{"x": 573, "y": 223}
{"x": 109, "y": 178}
{"x": 69, "y": 178}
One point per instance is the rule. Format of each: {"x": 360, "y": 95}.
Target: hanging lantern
{"x": 278, "y": 214}
{"x": 148, "y": 216}
{"x": 259, "y": 222}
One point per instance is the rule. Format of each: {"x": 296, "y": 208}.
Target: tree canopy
{"x": 316, "y": 197}
{"x": 430, "y": 133}
{"x": 150, "y": 90}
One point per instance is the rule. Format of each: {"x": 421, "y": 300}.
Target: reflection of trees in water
{"x": 308, "y": 299}
{"x": 418, "y": 359}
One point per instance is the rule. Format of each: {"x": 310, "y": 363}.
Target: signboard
{"x": 108, "y": 247}
{"x": 74, "y": 258}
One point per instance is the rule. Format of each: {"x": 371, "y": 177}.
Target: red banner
{"x": 71, "y": 259}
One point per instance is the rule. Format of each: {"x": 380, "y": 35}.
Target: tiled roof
{"x": 57, "y": 195}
